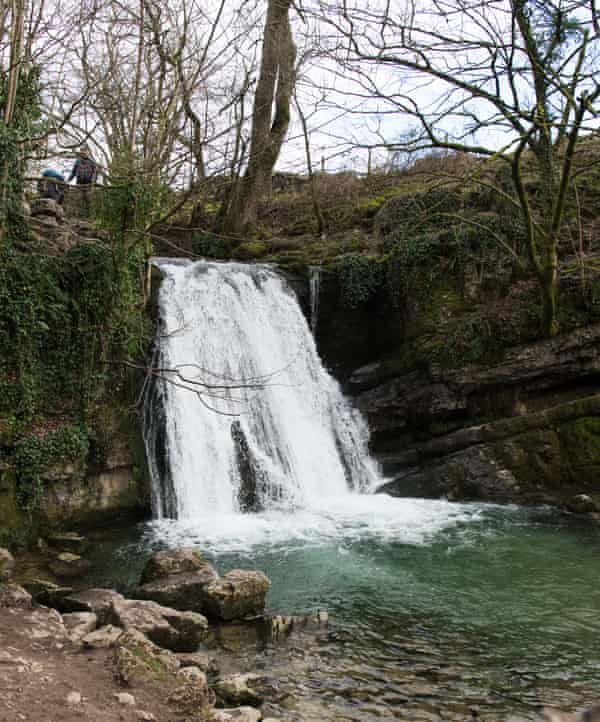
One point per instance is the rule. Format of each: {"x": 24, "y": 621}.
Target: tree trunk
{"x": 275, "y": 85}
{"x": 311, "y": 176}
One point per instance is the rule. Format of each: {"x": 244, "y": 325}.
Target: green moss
{"x": 534, "y": 458}
{"x": 15, "y": 526}
{"x": 251, "y": 249}
{"x": 34, "y": 455}
{"x": 580, "y": 440}
{"x": 158, "y": 669}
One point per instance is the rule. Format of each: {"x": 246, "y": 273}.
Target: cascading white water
{"x": 243, "y": 415}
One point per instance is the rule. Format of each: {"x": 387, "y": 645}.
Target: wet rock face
{"x": 551, "y": 457}
{"x": 249, "y": 493}
{"x": 237, "y": 595}
{"x": 7, "y": 564}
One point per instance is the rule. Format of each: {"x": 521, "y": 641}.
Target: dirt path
{"x": 40, "y": 671}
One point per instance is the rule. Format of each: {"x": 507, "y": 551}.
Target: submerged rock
{"x": 169, "y": 628}
{"x": 237, "y": 595}
{"x": 7, "y": 564}
{"x": 244, "y": 689}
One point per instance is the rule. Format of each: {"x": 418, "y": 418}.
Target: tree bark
{"x": 275, "y": 85}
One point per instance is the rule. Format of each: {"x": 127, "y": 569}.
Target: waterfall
{"x": 314, "y": 285}
{"x": 242, "y": 414}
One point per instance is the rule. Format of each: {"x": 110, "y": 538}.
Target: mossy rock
{"x": 534, "y": 458}
{"x": 580, "y": 440}
{"x": 251, "y": 250}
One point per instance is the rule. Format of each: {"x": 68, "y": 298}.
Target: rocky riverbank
{"x": 96, "y": 655}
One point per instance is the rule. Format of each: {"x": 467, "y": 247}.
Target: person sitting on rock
{"x": 52, "y": 185}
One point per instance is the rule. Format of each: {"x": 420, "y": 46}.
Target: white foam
{"x": 346, "y": 519}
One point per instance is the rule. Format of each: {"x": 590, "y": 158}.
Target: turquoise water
{"x": 438, "y": 610}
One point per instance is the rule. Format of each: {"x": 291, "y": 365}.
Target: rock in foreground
{"x": 237, "y": 595}
{"x": 7, "y": 564}
{"x": 184, "y": 580}
{"x": 183, "y": 560}
{"x": 169, "y": 628}
{"x": 239, "y": 714}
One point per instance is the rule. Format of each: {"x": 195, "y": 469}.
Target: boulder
{"x": 97, "y": 601}
{"x": 192, "y": 674}
{"x": 48, "y": 208}
{"x": 79, "y": 624}
{"x": 582, "y": 504}
{"x": 237, "y": 595}
{"x": 67, "y": 564}
{"x": 182, "y": 560}
{"x": 12, "y": 595}
{"x": 74, "y": 698}
{"x": 239, "y": 714}
{"x": 192, "y": 696}
{"x": 201, "y": 660}
{"x": 67, "y": 541}
{"x": 47, "y": 593}
{"x": 7, "y": 564}
{"x": 137, "y": 660}
{"x": 243, "y": 689}
{"x": 185, "y": 591}
{"x": 169, "y": 628}
{"x": 102, "y": 638}
{"x": 177, "y": 579}
{"x": 125, "y": 698}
